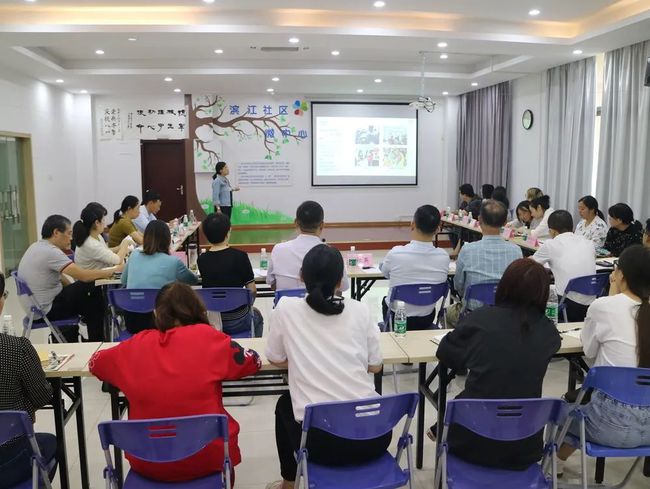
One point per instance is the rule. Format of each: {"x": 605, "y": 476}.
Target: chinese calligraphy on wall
{"x": 143, "y": 123}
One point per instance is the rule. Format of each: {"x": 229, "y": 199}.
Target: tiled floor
{"x": 257, "y": 441}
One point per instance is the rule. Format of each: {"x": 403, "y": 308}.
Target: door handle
{"x": 180, "y": 189}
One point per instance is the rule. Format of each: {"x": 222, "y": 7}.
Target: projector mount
{"x": 423, "y": 102}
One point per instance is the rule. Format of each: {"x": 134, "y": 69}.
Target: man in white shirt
{"x": 418, "y": 262}
{"x": 286, "y": 258}
{"x": 569, "y": 256}
{"x": 151, "y": 204}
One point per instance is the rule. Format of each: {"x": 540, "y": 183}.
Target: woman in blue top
{"x": 153, "y": 268}
{"x": 222, "y": 190}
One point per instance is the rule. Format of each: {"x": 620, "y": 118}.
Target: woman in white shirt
{"x": 328, "y": 347}
{"x": 540, "y": 208}
{"x": 617, "y": 333}
{"x": 593, "y": 225}
{"x": 91, "y": 251}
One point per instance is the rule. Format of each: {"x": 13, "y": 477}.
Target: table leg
{"x": 354, "y": 285}
{"x": 419, "y": 456}
{"x": 443, "y": 380}
{"x": 59, "y": 426}
{"x": 117, "y": 453}
{"x": 81, "y": 434}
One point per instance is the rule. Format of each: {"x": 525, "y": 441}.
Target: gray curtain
{"x": 484, "y": 127}
{"x": 624, "y": 157}
{"x": 568, "y": 100}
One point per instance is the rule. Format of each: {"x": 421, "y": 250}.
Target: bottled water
{"x": 192, "y": 217}
{"x": 264, "y": 260}
{"x": 8, "y": 325}
{"x": 192, "y": 256}
{"x": 399, "y": 321}
{"x": 352, "y": 257}
{"x": 552, "y": 305}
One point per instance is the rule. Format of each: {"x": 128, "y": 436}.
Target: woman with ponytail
{"x": 329, "y": 346}
{"x": 91, "y": 252}
{"x": 123, "y": 222}
{"x": 593, "y": 225}
{"x": 617, "y": 333}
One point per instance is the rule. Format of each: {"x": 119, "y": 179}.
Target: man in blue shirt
{"x": 484, "y": 260}
{"x": 151, "y": 204}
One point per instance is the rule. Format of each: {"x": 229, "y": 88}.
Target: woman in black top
{"x": 22, "y": 388}
{"x": 624, "y": 231}
{"x": 507, "y": 349}
{"x": 223, "y": 266}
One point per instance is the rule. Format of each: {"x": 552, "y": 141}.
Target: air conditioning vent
{"x": 280, "y": 49}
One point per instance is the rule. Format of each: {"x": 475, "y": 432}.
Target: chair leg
{"x": 583, "y": 454}
{"x": 395, "y": 384}
{"x": 600, "y": 470}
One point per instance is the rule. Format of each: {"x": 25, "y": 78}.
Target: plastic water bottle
{"x": 8, "y": 325}
{"x": 192, "y": 256}
{"x": 192, "y": 217}
{"x": 352, "y": 257}
{"x": 552, "y": 305}
{"x": 264, "y": 260}
{"x": 399, "y": 321}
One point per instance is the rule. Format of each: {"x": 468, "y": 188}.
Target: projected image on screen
{"x": 364, "y": 144}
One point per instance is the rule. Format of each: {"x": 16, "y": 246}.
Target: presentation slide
{"x": 364, "y": 144}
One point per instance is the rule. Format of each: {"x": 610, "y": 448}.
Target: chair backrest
{"x": 133, "y": 300}
{"x": 362, "y": 419}
{"x": 13, "y": 424}
{"x": 588, "y": 285}
{"x": 165, "y": 439}
{"x": 21, "y": 286}
{"x": 222, "y": 299}
{"x": 484, "y": 292}
{"x": 279, "y": 294}
{"x": 625, "y": 384}
{"x": 419, "y": 294}
{"x": 504, "y": 419}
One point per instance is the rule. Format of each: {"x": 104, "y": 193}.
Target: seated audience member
{"x": 123, "y": 222}
{"x": 617, "y": 333}
{"x": 44, "y": 267}
{"x": 486, "y": 190}
{"x": 569, "y": 256}
{"x": 183, "y": 363}
{"x": 91, "y": 250}
{"x": 533, "y": 193}
{"x": 316, "y": 334}
{"x": 152, "y": 268}
{"x": 624, "y": 231}
{"x": 541, "y": 209}
{"x": 592, "y": 226}
{"x": 507, "y": 349}
{"x": 470, "y": 202}
{"x": 646, "y": 234}
{"x": 223, "y": 266}
{"x": 286, "y": 258}
{"x": 151, "y": 204}
{"x": 418, "y": 262}
{"x": 523, "y": 219}
{"x": 484, "y": 260}
{"x": 24, "y": 388}
{"x": 500, "y": 195}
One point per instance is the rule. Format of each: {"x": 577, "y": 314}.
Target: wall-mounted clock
{"x": 527, "y": 119}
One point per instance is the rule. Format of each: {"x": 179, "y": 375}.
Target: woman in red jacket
{"x": 177, "y": 370}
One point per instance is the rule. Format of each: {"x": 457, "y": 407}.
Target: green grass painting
{"x": 243, "y": 213}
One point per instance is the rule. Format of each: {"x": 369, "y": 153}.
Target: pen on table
{"x": 569, "y": 330}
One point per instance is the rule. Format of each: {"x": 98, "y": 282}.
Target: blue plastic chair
{"x": 222, "y": 299}
{"x": 484, "y": 293}
{"x": 165, "y": 440}
{"x": 627, "y": 385}
{"x": 18, "y": 423}
{"x": 417, "y": 295}
{"x": 279, "y": 294}
{"x": 359, "y": 420}
{"x": 502, "y": 420}
{"x": 140, "y": 301}
{"x": 36, "y": 317}
{"x": 593, "y": 285}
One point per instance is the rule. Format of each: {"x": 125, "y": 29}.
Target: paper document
{"x": 438, "y": 338}
{"x": 258, "y": 272}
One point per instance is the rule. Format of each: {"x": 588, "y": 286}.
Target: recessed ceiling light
{"x": 275, "y": 79}
{"x": 132, "y": 39}
{"x": 474, "y": 84}
{"x": 534, "y": 12}
{"x": 379, "y": 4}
{"x": 359, "y": 90}
{"x": 577, "y": 51}
{"x": 59, "y": 80}
{"x": 177, "y": 90}
{"x": 270, "y": 90}
{"x": 442, "y": 44}
{"x": 335, "y": 53}
{"x": 377, "y": 80}
{"x": 444, "y": 56}
{"x": 30, "y": 1}
{"x": 208, "y": 1}
{"x": 445, "y": 93}
{"x": 218, "y": 51}
{"x": 294, "y": 40}
{"x": 99, "y": 51}
{"x": 168, "y": 79}
{"x": 84, "y": 91}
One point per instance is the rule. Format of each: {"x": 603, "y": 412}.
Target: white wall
{"x": 526, "y": 144}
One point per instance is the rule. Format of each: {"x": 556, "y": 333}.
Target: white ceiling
{"x": 489, "y": 41}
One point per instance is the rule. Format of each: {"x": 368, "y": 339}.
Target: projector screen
{"x": 364, "y": 144}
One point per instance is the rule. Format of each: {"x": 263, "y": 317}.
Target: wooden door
{"x": 163, "y": 170}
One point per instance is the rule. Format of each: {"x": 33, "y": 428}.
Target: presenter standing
{"x": 222, "y": 190}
